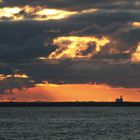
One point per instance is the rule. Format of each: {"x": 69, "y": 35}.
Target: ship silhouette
{"x": 120, "y": 100}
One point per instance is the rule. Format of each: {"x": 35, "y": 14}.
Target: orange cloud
{"x": 136, "y": 55}
{"x": 136, "y": 24}
{"x": 75, "y": 46}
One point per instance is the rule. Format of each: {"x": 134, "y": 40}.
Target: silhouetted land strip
{"x": 69, "y": 104}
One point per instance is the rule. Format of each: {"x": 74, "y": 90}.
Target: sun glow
{"x": 71, "y": 92}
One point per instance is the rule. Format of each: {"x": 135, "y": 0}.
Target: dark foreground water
{"x": 93, "y": 123}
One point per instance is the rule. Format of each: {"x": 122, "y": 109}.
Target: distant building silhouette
{"x": 119, "y": 100}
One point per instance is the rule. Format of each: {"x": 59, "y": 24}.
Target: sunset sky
{"x": 69, "y": 50}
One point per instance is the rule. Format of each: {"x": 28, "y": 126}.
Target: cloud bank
{"x": 69, "y": 42}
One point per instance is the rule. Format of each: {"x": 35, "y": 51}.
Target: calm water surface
{"x": 89, "y": 123}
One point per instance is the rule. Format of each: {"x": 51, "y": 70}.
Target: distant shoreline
{"x": 69, "y": 104}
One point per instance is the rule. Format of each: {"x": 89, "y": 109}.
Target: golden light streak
{"x": 22, "y": 76}
{"x": 45, "y": 83}
{"x": 54, "y": 14}
{"x": 89, "y": 11}
{"x": 75, "y": 46}
{"x": 60, "y": 14}
{"x": 39, "y": 85}
{"x": 34, "y": 13}
{"x": 2, "y": 77}
{"x": 37, "y": 13}
{"x": 136, "y": 56}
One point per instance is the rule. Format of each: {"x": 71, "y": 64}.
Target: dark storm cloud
{"x": 72, "y": 71}
{"x": 125, "y": 39}
{"x": 9, "y": 84}
{"x": 28, "y": 40}
{"x": 82, "y": 4}
{"x": 9, "y": 3}
{"x": 23, "y": 42}
{"x": 76, "y": 5}
{"x": 116, "y": 75}
{"x": 101, "y": 22}
{"x": 33, "y": 48}
{"x": 17, "y": 33}
{"x": 106, "y": 19}
{"x": 77, "y": 71}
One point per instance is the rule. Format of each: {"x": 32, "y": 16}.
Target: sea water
{"x": 70, "y": 123}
